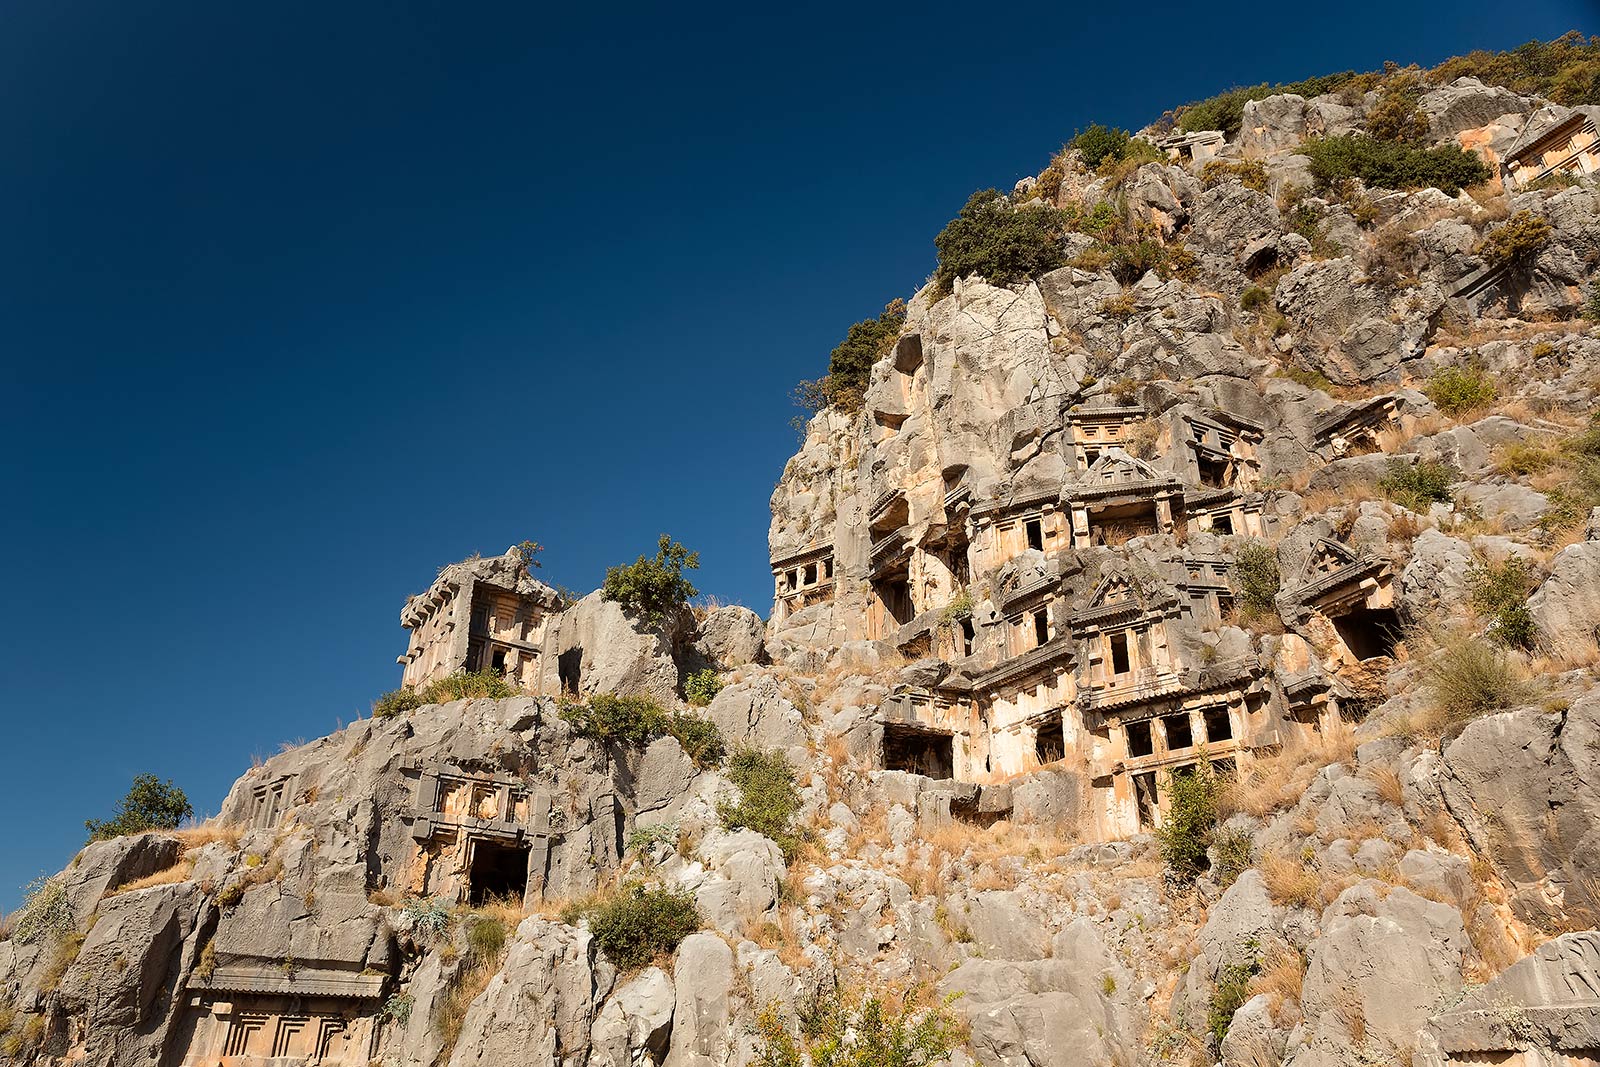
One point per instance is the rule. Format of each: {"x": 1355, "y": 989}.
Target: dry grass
{"x": 1289, "y": 881}
{"x": 451, "y": 1013}
{"x": 1280, "y": 978}
{"x": 1316, "y": 501}
{"x": 1272, "y": 783}
{"x": 178, "y": 872}
{"x": 207, "y": 833}
{"x": 1386, "y": 780}
{"x": 1348, "y": 1007}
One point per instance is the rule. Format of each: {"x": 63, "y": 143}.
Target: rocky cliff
{"x": 1182, "y": 661}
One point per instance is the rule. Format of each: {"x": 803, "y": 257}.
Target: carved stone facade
{"x": 1543, "y": 1011}
{"x": 479, "y": 836}
{"x": 1554, "y": 144}
{"x": 1078, "y": 629}
{"x": 479, "y": 615}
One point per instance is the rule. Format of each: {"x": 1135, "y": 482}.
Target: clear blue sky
{"x": 300, "y": 301}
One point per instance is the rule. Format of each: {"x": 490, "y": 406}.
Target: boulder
{"x": 1565, "y": 607}
{"x": 731, "y": 637}
{"x": 703, "y": 1034}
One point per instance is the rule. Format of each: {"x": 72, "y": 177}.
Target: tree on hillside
{"x": 151, "y": 804}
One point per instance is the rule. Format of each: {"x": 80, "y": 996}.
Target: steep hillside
{"x": 1187, "y": 607}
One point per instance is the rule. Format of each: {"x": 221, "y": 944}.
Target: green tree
{"x": 1099, "y": 143}
{"x": 768, "y": 799}
{"x": 151, "y": 804}
{"x": 1000, "y": 243}
{"x": 653, "y": 588}
{"x": 1191, "y": 820}
{"x": 850, "y": 363}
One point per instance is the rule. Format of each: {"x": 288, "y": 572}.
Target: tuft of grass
{"x": 1458, "y": 391}
{"x": 1289, "y": 881}
{"x": 1468, "y": 678}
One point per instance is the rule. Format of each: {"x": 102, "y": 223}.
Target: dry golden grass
{"x": 178, "y": 872}
{"x": 1280, "y": 978}
{"x": 385, "y": 898}
{"x": 1348, "y": 1007}
{"x": 207, "y": 833}
{"x": 452, "y": 1010}
{"x": 1386, "y": 780}
{"x": 1272, "y": 783}
{"x": 1316, "y": 501}
{"x": 1289, "y": 881}
{"x": 1406, "y": 526}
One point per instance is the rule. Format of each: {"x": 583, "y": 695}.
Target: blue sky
{"x": 300, "y": 301}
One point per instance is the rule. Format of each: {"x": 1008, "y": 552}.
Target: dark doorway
{"x": 1369, "y": 634}
{"x": 968, "y": 636}
{"x": 569, "y": 668}
{"x": 1041, "y": 627}
{"x": 918, "y": 751}
{"x": 497, "y": 871}
{"x": 1222, "y": 524}
{"x": 894, "y": 593}
{"x": 1144, "y": 797}
{"x": 1213, "y": 472}
{"x": 1051, "y": 742}
{"x": 1035, "y": 528}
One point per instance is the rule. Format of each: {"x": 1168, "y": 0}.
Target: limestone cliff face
{"x": 1083, "y": 534}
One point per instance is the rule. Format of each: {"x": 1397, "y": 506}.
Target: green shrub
{"x": 150, "y": 804}
{"x": 1499, "y": 592}
{"x": 768, "y": 799}
{"x": 636, "y": 721}
{"x": 1234, "y": 849}
{"x": 959, "y": 609}
{"x": 1416, "y": 485}
{"x": 702, "y": 687}
{"x": 638, "y": 924}
{"x": 1255, "y": 565}
{"x": 1396, "y": 117}
{"x": 465, "y": 685}
{"x": 397, "y": 1009}
{"x": 1099, "y": 143}
{"x": 1514, "y": 244}
{"x": 1254, "y": 298}
{"x": 1311, "y": 379}
{"x": 642, "y": 839}
{"x": 46, "y": 913}
{"x": 841, "y": 1031}
{"x": 1469, "y": 679}
{"x": 1566, "y": 70}
{"x": 1000, "y": 243}
{"x": 1251, "y": 173}
{"x": 1191, "y": 820}
{"x": 850, "y": 363}
{"x": 430, "y": 916}
{"x": 652, "y": 588}
{"x": 396, "y": 702}
{"x": 1225, "y": 111}
{"x": 486, "y": 937}
{"x": 1391, "y": 164}
{"x": 1134, "y": 259}
{"x": 1228, "y": 996}
{"x": 1591, "y": 306}
{"x": 1458, "y": 390}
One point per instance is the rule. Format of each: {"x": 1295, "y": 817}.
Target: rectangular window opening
{"x": 1139, "y": 739}
{"x": 1035, "y": 531}
{"x": 1179, "y": 733}
{"x": 1041, "y": 627}
{"x": 1219, "y": 725}
{"x": 918, "y": 752}
{"x": 968, "y": 636}
{"x": 1120, "y": 663}
{"x": 1222, "y": 523}
{"x": 1050, "y": 744}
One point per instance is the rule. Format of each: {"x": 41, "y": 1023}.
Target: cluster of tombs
{"x": 316, "y": 995}
{"x": 1115, "y": 680}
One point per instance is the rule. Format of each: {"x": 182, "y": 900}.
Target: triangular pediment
{"x": 1115, "y": 465}
{"x": 1326, "y": 557}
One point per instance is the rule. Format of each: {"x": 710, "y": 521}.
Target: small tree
{"x": 527, "y": 551}
{"x": 639, "y": 924}
{"x": 1001, "y": 243}
{"x": 850, "y": 363}
{"x": 1417, "y": 485}
{"x": 1191, "y": 820}
{"x": 1099, "y": 143}
{"x": 1256, "y": 567}
{"x": 768, "y": 799}
{"x": 652, "y": 588}
{"x": 1515, "y": 243}
{"x": 150, "y": 804}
